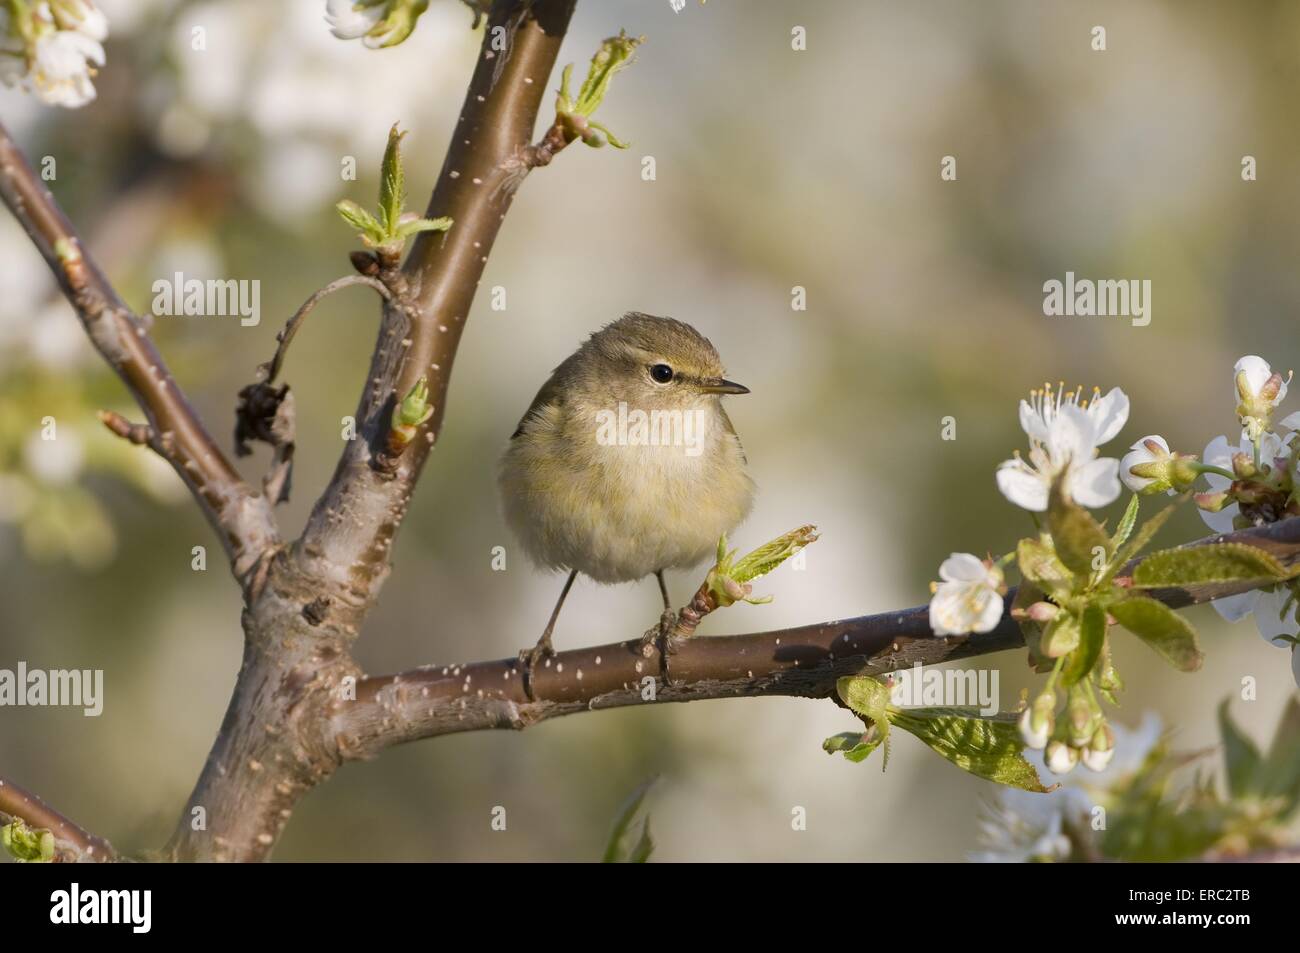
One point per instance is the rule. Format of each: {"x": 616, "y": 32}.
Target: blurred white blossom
{"x": 53, "y": 49}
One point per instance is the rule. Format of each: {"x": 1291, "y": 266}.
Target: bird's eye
{"x": 661, "y": 373}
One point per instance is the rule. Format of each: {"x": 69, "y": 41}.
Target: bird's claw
{"x": 528, "y": 659}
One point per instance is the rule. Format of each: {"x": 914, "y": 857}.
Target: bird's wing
{"x": 726, "y": 422}
{"x": 548, "y": 395}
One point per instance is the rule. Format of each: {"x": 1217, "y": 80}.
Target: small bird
{"x": 626, "y": 463}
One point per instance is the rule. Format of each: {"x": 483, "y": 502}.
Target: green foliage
{"x": 1150, "y": 822}
{"x": 1092, "y": 638}
{"x": 574, "y": 114}
{"x": 988, "y": 747}
{"x": 1160, "y": 627}
{"x": 1077, "y": 537}
{"x": 729, "y": 579}
{"x": 27, "y": 845}
{"x": 1126, "y": 523}
{"x": 1038, "y": 562}
{"x": 1202, "y": 565}
{"x": 625, "y": 844}
{"x": 389, "y": 230}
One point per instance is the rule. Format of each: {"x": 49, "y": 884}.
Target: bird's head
{"x": 653, "y": 362}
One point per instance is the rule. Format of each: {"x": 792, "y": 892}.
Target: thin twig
{"x": 271, "y": 369}
{"x": 72, "y": 841}
{"x": 241, "y": 517}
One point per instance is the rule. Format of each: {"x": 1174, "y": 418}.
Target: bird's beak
{"x": 718, "y": 385}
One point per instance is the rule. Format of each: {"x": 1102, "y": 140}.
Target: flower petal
{"x": 1032, "y": 422}
{"x": 1024, "y": 487}
{"x": 1221, "y": 522}
{"x": 989, "y": 613}
{"x": 1070, "y": 436}
{"x": 1269, "y": 618}
{"x": 1235, "y": 608}
{"x": 1257, "y": 371}
{"x": 963, "y": 567}
{"x": 1109, "y": 414}
{"x": 1096, "y": 483}
{"x": 1218, "y": 454}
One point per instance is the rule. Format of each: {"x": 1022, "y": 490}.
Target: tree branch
{"x": 310, "y": 601}
{"x": 352, "y": 526}
{"x": 804, "y": 661}
{"x": 72, "y": 842}
{"x": 241, "y": 517}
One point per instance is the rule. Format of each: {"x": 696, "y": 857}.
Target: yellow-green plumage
{"x": 617, "y": 512}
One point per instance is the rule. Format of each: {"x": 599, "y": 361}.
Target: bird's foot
{"x": 661, "y": 637}
{"x": 528, "y": 659}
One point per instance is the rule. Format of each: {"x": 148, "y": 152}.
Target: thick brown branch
{"x": 351, "y": 528}
{"x": 72, "y": 843}
{"x": 274, "y": 743}
{"x": 803, "y": 661}
{"x": 241, "y": 517}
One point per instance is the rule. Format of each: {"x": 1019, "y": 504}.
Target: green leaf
{"x": 1139, "y": 540}
{"x": 767, "y": 557}
{"x": 359, "y": 218}
{"x": 620, "y": 847}
{"x": 854, "y": 745}
{"x": 615, "y": 54}
{"x": 1076, "y": 535}
{"x": 866, "y": 696}
{"x": 1038, "y": 562}
{"x": 1027, "y": 593}
{"x": 1108, "y": 681}
{"x": 416, "y": 225}
{"x": 25, "y": 844}
{"x": 1126, "y": 524}
{"x": 990, "y": 748}
{"x": 392, "y": 184}
{"x": 614, "y": 141}
{"x": 1092, "y": 636}
{"x": 1201, "y": 565}
{"x": 1280, "y": 774}
{"x": 1062, "y": 635}
{"x": 1241, "y": 759}
{"x": 1162, "y": 628}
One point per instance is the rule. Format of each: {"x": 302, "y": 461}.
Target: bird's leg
{"x": 661, "y": 636}
{"x": 529, "y": 658}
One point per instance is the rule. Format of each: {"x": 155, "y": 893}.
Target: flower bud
{"x": 1038, "y": 721}
{"x": 1213, "y": 502}
{"x": 1042, "y": 611}
{"x": 1100, "y": 749}
{"x": 1061, "y": 758}
{"x": 1083, "y": 716}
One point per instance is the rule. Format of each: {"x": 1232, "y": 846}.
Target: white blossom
{"x": 1274, "y": 612}
{"x": 63, "y": 67}
{"x": 968, "y": 597}
{"x": 1063, "y": 439}
{"x": 1148, "y": 450}
{"x": 348, "y": 21}
{"x": 1219, "y": 453}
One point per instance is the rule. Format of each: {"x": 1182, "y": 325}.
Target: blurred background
{"x": 774, "y": 169}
